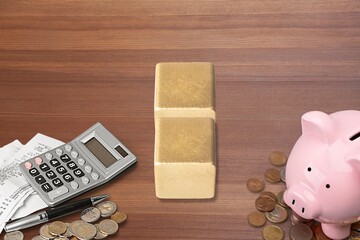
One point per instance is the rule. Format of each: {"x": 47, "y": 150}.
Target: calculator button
{"x": 78, "y": 173}
{"x": 74, "y": 154}
{"x": 68, "y": 178}
{"x": 28, "y": 165}
{"x": 50, "y": 174}
{"x": 59, "y": 151}
{"x": 48, "y": 156}
{"x": 85, "y": 180}
{"x": 54, "y": 162}
{"x": 65, "y": 158}
{"x": 74, "y": 185}
{"x": 95, "y": 176}
{"x": 68, "y": 147}
{"x": 44, "y": 167}
{"x": 58, "y": 192}
{"x": 88, "y": 168}
{"x": 71, "y": 165}
{"x": 40, "y": 179}
{"x": 57, "y": 182}
{"x": 33, "y": 172}
{"x": 38, "y": 160}
{"x": 81, "y": 161}
{"x": 61, "y": 170}
{"x": 46, "y": 187}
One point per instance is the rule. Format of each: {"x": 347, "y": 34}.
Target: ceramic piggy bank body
{"x": 323, "y": 171}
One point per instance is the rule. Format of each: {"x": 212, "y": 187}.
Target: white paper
{"x": 14, "y": 187}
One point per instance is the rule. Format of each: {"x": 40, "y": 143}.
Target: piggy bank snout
{"x": 302, "y": 201}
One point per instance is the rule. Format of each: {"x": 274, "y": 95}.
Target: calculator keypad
{"x": 58, "y": 177}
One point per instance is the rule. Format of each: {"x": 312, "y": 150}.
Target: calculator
{"x": 92, "y": 159}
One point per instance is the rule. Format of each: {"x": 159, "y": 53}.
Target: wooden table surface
{"x": 65, "y": 65}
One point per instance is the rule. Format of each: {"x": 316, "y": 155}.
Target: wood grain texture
{"x": 65, "y": 65}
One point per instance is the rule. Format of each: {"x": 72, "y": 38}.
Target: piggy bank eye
{"x": 309, "y": 169}
{"x": 327, "y": 185}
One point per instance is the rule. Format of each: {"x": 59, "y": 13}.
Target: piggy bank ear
{"x": 319, "y": 124}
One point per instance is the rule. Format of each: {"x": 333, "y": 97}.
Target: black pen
{"x": 52, "y": 213}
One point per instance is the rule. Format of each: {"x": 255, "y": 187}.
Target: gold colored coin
{"x": 85, "y": 231}
{"x": 277, "y": 158}
{"x": 44, "y": 232}
{"x": 272, "y": 232}
{"x": 272, "y": 175}
{"x": 99, "y": 235}
{"x": 74, "y": 225}
{"x": 265, "y": 204}
{"x": 301, "y": 232}
{"x": 277, "y": 215}
{"x": 108, "y": 226}
{"x": 256, "y": 219}
{"x": 119, "y": 217}
{"x": 68, "y": 233}
{"x": 16, "y": 235}
{"x": 268, "y": 194}
{"x": 107, "y": 208}
{"x": 280, "y": 199}
{"x": 57, "y": 228}
{"x": 255, "y": 185}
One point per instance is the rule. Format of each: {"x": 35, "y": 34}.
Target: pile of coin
{"x": 84, "y": 229}
{"x": 272, "y": 207}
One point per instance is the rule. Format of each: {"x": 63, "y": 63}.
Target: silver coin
{"x": 68, "y": 233}
{"x": 90, "y": 215}
{"x": 283, "y": 175}
{"x": 107, "y": 208}
{"x": 108, "y": 226}
{"x": 99, "y": 234}
{"x": 16, "y": 235}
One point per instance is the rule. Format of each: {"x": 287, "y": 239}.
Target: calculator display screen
{"x": 100, "y": 152}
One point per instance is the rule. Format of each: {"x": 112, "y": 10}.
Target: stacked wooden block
{"x": 185, "y": 141}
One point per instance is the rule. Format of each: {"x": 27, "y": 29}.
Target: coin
{"x": 68, "y": 233}
{"x": 16, "y": 235}
{"x": 356, "y": 226}
{"x": 319, "y": 234}
{"x": 283, "y": 175}
{"x": 280, "y": 199}
{"x": 90, "y": 215}
{"x": 108, "y": 226}
{"x": 277, "y": 215}
{"x": 256, "y": 219}
{"x": 268, "y": 194}
{"x": 272, "y": 232}
{"x": 255, "y": 185}
{"x": 61, "y": 238}
{"x": 44, "y": 232}
{"x": 38, "y": 237}
{"x": 99, "y": 235}
{"x": 277, "y": 158}
{"x": 272, "y": 175}
{"x": 300, "y": 232}
{"x": 119, "y": 217}
{"x": 265, "y": 204}
{"x": 107, "y": 208}
{"x": 74, "y": 225}
{"x": 57, "y": 228}
{"x": 85, "y": 231}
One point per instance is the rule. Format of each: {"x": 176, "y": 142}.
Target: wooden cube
{"x": 185, "y": 157}
{"x": 184, "y": 90}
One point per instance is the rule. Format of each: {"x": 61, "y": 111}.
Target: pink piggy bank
{"x": 323, "y": 171}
